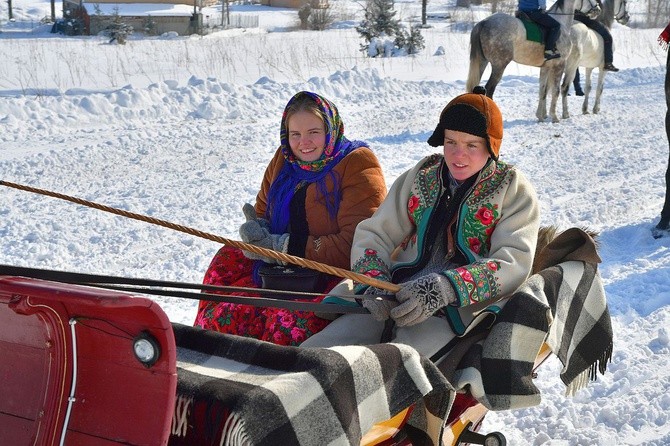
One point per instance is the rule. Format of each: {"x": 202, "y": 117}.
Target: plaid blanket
{"x": 240, "y": 391}
{"x": 563, "y": 305}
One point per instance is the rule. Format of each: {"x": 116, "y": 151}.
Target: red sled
{"x": 87, "y": 366}
{"x": 83, "y": 366}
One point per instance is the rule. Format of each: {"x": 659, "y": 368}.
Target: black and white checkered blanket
{"x": 563, "y": 305}
{"x": 240, "y": 391}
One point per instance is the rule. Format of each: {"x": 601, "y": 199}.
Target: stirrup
{"x": 551, "y": 54}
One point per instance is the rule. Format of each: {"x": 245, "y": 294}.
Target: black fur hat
{"x": 473, "y": 113}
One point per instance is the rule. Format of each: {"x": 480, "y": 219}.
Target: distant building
{"x": 295, "y": 4}
{"x": 155, "y": 18}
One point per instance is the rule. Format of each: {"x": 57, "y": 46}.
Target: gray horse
{"x": 587, "y": 51}
{"x": 501, "y": 39}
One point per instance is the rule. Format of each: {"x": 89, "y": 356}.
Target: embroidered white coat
{"x": 496, "y": 230}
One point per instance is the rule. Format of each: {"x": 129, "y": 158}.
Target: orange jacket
{"x": 329, "y": 241}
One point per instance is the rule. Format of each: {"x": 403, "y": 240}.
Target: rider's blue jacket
{"x": 532, "y": 5}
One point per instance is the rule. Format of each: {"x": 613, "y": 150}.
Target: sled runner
{"x": 462, "y": 425}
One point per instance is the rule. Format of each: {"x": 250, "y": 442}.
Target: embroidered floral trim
{"x": 425, "y": 190}
{"x": 492, "y": 178}
{"x": 475, "y": 282}
{"x": 478, "y": 225}
{"x": 371, "y": 265}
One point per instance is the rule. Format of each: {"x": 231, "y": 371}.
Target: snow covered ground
{"x": 181, "y": 129}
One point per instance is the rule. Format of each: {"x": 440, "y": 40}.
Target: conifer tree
{"x": 379, "y": 21}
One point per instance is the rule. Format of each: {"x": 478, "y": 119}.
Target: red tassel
{"x": 664, "y": 38}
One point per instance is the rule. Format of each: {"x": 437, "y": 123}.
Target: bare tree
{"x": 657, "y": 13}
{"x": 225, "y": 13}
{"x": 424, "y": 6}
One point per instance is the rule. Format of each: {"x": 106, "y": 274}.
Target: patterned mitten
{"x": 421, "y": 298}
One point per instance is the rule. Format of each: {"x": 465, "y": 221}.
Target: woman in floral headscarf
{"x": 315, "y": 191}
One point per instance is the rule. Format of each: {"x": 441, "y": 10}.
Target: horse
{"x": 501, "y": 38}
{"x": 587, "y": 51}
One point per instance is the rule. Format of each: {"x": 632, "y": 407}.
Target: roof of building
{"x": 139, "y": 9}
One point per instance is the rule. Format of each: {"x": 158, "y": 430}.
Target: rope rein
{"x": 339, "y": 272}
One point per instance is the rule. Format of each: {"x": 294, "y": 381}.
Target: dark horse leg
{"x": 577, "y": 84}
{"x": 665, "y": 213}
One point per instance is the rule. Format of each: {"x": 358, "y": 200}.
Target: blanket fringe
{"x": 578, "y": 383}
{"x": 591, "y": 373}
{"x": 234, "y": 433}
{"x": 602, "y": 362}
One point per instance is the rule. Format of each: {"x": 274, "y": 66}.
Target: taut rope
{"x": 339, "y": 272}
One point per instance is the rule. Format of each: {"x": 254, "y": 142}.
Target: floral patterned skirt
{"x": 229, "y": 267}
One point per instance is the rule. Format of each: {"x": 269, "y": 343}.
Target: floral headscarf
{"x": 334, "y": 133}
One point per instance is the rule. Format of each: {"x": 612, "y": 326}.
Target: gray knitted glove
{"x": 421, "y": 298}
{"x": 253, "y": 233}
{"x": 379, "y": 308}
{"x": 250, "y": 214}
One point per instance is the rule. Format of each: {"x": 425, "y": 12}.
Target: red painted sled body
{"x": 69, "y": 374}
{"x": 102, "y": 395}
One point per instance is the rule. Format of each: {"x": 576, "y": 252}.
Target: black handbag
{"x": 292, "y": 278}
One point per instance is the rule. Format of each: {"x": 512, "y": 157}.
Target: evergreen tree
{"x": 379, "y": 21}
{"x": 383, "y": 33}
{"x": 415, "y": 41}
{"x": 118, "y": 30}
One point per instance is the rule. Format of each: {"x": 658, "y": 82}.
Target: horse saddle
{"x": 534, "y": 32}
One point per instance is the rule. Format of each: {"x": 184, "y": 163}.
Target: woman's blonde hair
{"x": 304, "y": 103}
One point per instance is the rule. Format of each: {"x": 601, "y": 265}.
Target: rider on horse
{"x": 606, "y": 35}
{"x": 536, "y": 11}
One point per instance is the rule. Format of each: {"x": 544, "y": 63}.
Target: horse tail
{"x": 478, "y": 61}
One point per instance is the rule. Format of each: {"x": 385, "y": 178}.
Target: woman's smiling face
{"x": 306, "y": 136}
